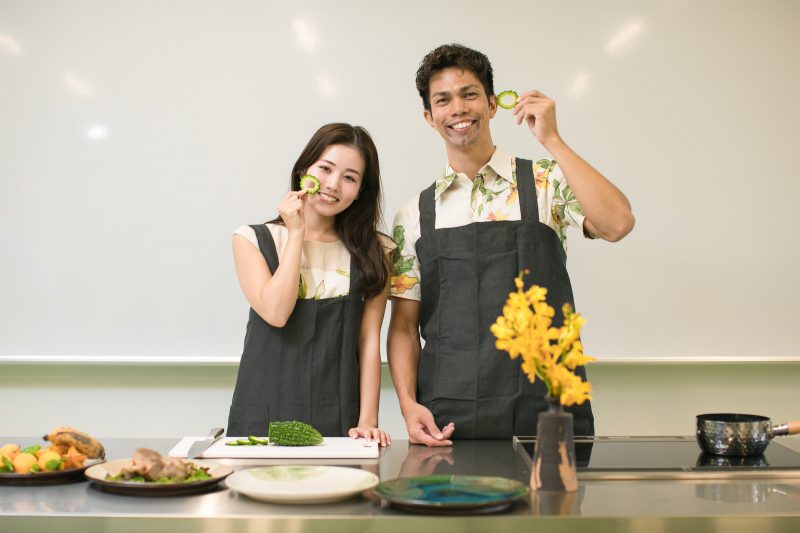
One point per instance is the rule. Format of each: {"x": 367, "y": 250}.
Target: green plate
{"x": 452, "y": 494}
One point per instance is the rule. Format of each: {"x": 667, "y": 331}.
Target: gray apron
{"x": 306, "y": 370}
{"x": 467, "y": 273}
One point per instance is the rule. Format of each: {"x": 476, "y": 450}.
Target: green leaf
{"x": 54, "y": 464}
{"x": 398, "y": 236}
{"x": 35, "y": 468}
{"x": 302, "y": 290}
{"x": 443, "y": 183}
{"x": 31, "y": 449}
{"x": 575, "y": 207}
{"x": 320, "y": 290}
{"x": 401, "y": 266}
{"x": 8, "y": 464}
{"x": 198, "y": 475}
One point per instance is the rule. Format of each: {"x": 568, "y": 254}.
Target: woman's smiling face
{"x": 340, "y": 170}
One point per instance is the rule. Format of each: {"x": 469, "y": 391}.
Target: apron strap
{"x": 526, "y": 187}
{"x": 355, "y": 276}
{"x": 427, "y": 210}
{"x": 267, "y": 246}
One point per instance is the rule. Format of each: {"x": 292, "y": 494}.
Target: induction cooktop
{"x": 668, "y": 457}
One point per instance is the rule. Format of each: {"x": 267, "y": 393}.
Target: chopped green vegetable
{"x": 293, "y": 433}
{"x": 197, "y": 474}
{"x": 309, "y": 183}
{"x": 507, "y": 99}
{"x": 249, "y": 441}
{"x": 121, "y": 477}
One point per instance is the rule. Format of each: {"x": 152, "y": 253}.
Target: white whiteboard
{"x": 136, "y": 136}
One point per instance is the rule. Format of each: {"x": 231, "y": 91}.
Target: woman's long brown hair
{"x": 357, "y": 226}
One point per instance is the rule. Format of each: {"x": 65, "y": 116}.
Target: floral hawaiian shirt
{"x": 491, "y": 196}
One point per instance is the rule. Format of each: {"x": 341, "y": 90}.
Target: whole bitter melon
{"x": 293, "y": 433}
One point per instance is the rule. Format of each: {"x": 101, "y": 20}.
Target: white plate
{"x": 301, "y": 483}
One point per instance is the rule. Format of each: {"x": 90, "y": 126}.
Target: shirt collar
{"x": 498, "y": 167}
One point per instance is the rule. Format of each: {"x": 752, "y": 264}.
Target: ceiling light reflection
{"x": 579, "y": 85}
{"x": 79, "y": 86}
{"x": 326, "y": 87}
{"x": 97, "y": 133}
{"x": 9, "y": 44}
{"x": 304, "y": 33}
{"x": 624, "y": 36}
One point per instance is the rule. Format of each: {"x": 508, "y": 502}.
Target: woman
{"x": 316, "y": 278}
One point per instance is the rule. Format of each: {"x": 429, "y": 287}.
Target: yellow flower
{"x": 548, "y": 353}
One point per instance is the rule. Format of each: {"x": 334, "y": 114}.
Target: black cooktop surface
{"x": 663, "y": 454}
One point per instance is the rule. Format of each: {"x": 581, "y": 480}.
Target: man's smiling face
{"x": 460, "y": 108}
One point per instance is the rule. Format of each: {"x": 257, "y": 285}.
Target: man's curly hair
{"x": 453, "y": 55}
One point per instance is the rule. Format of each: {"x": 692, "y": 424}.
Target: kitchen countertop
{"x": 653, "y": 505}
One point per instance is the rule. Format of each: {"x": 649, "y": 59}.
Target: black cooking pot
{"x": 739, "y": 435}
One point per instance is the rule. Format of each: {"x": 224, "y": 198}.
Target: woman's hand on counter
{"x": 370, "y": 434}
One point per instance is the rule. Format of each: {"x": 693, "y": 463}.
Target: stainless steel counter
{"x": 657, "y": 505}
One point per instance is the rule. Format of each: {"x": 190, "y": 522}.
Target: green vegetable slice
{"x": 309, "y": 183}
{"x": 507, "y": 99}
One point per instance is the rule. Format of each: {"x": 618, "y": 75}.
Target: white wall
{"x": 136, "y": 135}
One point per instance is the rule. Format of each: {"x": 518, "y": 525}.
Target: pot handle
{"x": 789, "y": 428}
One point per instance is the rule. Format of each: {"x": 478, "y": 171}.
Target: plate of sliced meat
{"x": 148, "y": 473}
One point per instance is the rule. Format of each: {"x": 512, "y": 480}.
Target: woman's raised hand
{"x": 291, "y": 211}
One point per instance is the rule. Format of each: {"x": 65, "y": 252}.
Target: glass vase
{"x": 554, "y": 468}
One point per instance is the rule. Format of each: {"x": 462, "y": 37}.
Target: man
{"x": 462, "y": 241}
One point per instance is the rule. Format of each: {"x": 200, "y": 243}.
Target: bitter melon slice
{"x": 507, "y": 99}
{"x": 309, "y": 183}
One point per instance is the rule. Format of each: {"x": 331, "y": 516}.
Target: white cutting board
{"x": 331, "y": 448}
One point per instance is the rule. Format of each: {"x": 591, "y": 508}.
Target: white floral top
{"x": 491, "y": 197}
{"x": 324, "y": 266}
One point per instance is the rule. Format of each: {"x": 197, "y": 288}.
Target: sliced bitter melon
{"x": 309, "y": 183}
{"x": 293, "y": 433}
{"x": 507, "y": 99}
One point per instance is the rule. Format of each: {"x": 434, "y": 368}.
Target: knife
{"x": 202, "y": 445}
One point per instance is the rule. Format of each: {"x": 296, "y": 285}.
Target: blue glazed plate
{"x": 468, "y": 494}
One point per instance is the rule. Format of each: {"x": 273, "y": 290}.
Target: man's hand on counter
{"x": 422, "y": 428}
